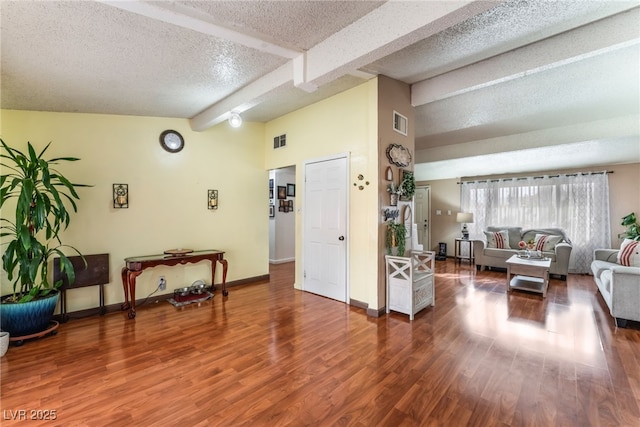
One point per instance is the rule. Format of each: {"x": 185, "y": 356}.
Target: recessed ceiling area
{"x": 514, "y": 83}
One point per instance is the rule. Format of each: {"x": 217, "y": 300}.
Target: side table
{"x": 458, "y": 250}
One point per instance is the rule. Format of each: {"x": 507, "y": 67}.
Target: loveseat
{"x": 500, "y": 243}
{"x": 619, "y": 284}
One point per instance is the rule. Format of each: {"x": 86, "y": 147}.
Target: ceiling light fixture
{"x": 235, "y": 120}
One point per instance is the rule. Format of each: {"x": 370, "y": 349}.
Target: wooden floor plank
{"x": 270, "y": 355}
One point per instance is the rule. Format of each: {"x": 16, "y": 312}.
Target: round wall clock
{"x": 171, "y": 141}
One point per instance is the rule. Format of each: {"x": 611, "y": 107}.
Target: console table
{"x": 134, "y": 267}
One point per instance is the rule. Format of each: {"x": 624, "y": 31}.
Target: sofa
{"x": 619, "y": 284}
{"x": 500, "y": 243}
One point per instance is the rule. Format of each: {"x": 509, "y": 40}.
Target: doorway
{"x": 282, "y": 205}
{"x": 422, "y": 207}
{"x": 325, "y": 228}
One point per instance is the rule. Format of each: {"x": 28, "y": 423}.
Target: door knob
{"x": 341, "y": 238}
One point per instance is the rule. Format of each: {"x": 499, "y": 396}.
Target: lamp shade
{"x": 464, "y": 217}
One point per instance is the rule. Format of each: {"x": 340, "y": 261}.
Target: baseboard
{"x": 375, "y": 313}
{"x": 370, "y": 312}
{"x": 358, "y": 304}
{"x": 112, "y": 308}
{"x": 281, "y": 261}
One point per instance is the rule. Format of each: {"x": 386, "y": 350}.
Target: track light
{"x": 235, "y": 120}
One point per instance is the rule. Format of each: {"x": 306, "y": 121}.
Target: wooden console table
{"x": 134, "y": 267}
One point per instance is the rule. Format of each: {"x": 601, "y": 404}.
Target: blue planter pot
{"x": 27, "y": 318}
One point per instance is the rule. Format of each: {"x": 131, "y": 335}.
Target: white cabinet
{"x": 410, "y": 282}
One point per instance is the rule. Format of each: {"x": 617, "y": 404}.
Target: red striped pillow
{"x": 546, "y": 242}
{"x": 629, "y": 254}
{"x": 498, "y": 240}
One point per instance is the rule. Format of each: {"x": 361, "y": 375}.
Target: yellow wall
{"x": 168, "y": 193}
{"x": 345, "y": 123}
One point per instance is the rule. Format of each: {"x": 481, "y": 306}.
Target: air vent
{"x": 280, "y": 141}
{"x": 400, "y": 123}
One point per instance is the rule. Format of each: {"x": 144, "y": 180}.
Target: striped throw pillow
{"x": 498, "y": 240}
{"x": 629, "y": 254}
{"x": 546, "y": 242}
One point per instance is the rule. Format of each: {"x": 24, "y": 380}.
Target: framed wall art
{"x": 282, "y": 192}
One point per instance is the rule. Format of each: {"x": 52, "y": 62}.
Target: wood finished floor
{"x": 270, "y": 355}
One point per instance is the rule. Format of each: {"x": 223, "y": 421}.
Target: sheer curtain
{"x": 578, "y": 203}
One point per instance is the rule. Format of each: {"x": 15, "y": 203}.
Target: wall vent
{"x": 400, "y": 123}
{"x": 279, "y": 141}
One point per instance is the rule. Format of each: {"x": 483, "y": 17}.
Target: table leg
{"x": 103, "y": 309}
{"x": 508, "y": 278}
{"x": 125, "y": 287}
{"x": 132, "y": 291}
{"x": 224, "y": 276}
{"x": 213, "y": 274}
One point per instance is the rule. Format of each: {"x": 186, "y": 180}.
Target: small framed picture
{"x": 291, "y": 190}
{"x": 282, "y": 192}
{"x": 271, "y": 184}
{"x": 272, "y": 211}
{"x": 271, "y": 193}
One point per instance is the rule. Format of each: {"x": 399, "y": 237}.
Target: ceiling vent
{"x": 400, "y": 123}
{"x": 279, "y": 141}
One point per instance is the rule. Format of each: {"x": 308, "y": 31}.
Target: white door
{"x": 422, "y": 208}
{"x": 325, "y": 228}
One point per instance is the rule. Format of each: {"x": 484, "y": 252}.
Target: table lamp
{"x": 464, "y": 218}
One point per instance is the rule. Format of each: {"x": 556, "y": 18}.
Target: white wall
{"x": 282, "y": 227}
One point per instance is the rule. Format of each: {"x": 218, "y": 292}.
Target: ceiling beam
{"x": 609, "y": 34}
{"x": 187, "y": 17}
{"x": 385, "y": 30}
{"x": 392, "y": 26}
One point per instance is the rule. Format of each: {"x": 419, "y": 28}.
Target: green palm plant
{"x": 43, "y": 198}
{"x": 633, "y": 228}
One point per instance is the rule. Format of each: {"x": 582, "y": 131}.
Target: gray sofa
{"x": 491, "y": 257}
{"x": 619, "y": 285}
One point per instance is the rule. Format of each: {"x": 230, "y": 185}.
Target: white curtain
{"x": 577, "y": 203}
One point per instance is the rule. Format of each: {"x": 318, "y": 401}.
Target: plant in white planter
{"x": 43, "y": 197}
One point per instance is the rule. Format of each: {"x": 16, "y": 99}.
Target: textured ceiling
{"x": 532, "y": 78}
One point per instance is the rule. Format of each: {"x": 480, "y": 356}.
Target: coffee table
{"x": 530, "y": 274}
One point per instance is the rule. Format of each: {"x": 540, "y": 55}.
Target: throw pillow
{"x": 546, "y": 242}
{"x": 497, "y": 239}
{"x": 629, "y": 254}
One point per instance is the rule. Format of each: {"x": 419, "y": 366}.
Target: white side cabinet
{"x": 410, "y": 282}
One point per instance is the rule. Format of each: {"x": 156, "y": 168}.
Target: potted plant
{"x": 394, "y": 192}
{"x": 633, "y": 228}
{"x": 43, "y": 198}
{"x": 396, "y": 238}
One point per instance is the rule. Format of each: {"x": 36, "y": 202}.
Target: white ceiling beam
{"x": 245, "y": 98}
{"x": 392, "y": 26}
{"x": 614, "y": 128}
{"x": 187, "y": 17}
{"x": 616, "y": 32}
